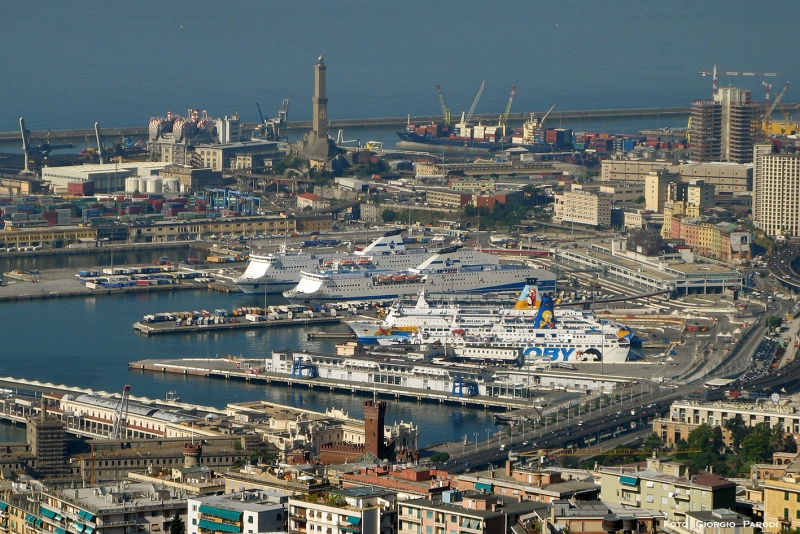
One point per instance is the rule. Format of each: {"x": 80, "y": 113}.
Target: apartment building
{"x": 666, "y": 487}
{"x": 657, "y": 187}
{"x": 360, "y": 510}
{"x": 776, "y": 199}
{"x": 448, "y": 198}
{"x": 245, "y": 512}
{"x": 583, "y": 207}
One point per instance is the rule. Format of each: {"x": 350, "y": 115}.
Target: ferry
{"x": 534, "y": 325}
{"x": 276, "y": 273}
{"x": 450, "y": 272}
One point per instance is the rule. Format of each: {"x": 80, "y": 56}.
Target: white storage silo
{"x": 171, "y": 185}
{"x": 131, "y": 185}
{"x": 154, "y": 185}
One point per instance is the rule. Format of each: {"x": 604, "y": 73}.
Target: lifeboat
{"x": 399, "y": 278}
{"x": 347, "y": 262}
{"x": 364, "y": 261}
{"x": 412, "y": 278}
{"x": 459, "y": 331}
{"x": 327, "y": 263}
{"x": 384, "y": 279}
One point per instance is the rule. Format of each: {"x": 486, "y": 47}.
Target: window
{"x": 785, "y": 495}
{"x": 664, "y": 500}
{"x": 194, "y": 521}
{"x": 250, "y": 519}
{"x": 430, "y": 513}
{"x": 650, "y": 498}
{"x": 786, "y": 513}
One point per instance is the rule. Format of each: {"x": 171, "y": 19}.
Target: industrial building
{"x": 46, "y": 236}
{"x": 776, "y": 197}
{"x": 727, "y": 177}
{"x": 107, "y": 177}
{"x": 189, "y": 230}
{"x": 226, "y": 155}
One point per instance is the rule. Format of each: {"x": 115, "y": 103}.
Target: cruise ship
{"x": 450, "y": 272}
{"x": 563, "y": 334}
{"x": 276, "y": 273}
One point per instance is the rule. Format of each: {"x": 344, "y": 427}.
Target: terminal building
{"x": 677, "y": 274}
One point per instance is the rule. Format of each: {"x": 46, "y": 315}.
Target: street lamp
{"x": 476, "y": 441}
{"x": 488, "y": 431}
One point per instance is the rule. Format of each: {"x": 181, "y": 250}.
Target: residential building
{"x": 719, "y": 521}
{"x": 656, "y": 184}
{"x": 587, "y": 516}
{"x": 360, "y": 510}
{"x": 48, "y": 442}
{"x": 310, "y": 200}
{"x": 696, "y": 193}
{"x": 705, "y": 134}
{"x": 686, "y": 415}
{"x": 246, "y": 512}
{"x": 643, "y": 219}
{"x": 583, "y": 207}
{"x": 776, "y": 198}
{"x": 666, "y": 487}
{"x": 726, "y": 242}
{"x": 759, "y": 198}
{"x": 276, "y": 481}
{"x": 529, "y": 483}
{"x": 448, "y": 198}
{"x": 409, "y": 482}
{"x": 723, "y": 128}
{"x": 466, "y": 512}
{"x": 781, "y": 503}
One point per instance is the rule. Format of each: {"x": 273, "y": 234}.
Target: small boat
{"x": 347, "y": 262}
{"x": 384, "y": 279}
{"x": 412, "y": 278}
{"x": 327, "y": 263}
{"x": 364, "y": 261}
{"x": 459, "y": 331}
{"x": 399, "y": 278}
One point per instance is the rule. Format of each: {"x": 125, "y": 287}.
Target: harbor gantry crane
{"x": 504, "y": 116}
{"x": 118, "y": 431}
{"x": 99, "y": 143}
{"x": 445, "y": 109}
{"x": 44, "y": 148}
{"x": 475, "y": 102}
{"x": 714, "y": 73}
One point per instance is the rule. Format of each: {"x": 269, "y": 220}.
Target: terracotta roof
{"x": 310, "y": 196}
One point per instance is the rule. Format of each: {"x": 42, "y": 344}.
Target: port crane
{"x": 271, "y": 129}
{"x": 44, "y": 148}
{"x": 118, "y": 431}
{"x": 475, "y": 102}
{"x": 714, "y": 73}
{"x": 504, "y": 116}
{"x": 445, "y": 109}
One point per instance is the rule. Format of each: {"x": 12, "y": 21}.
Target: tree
{"x": 640, "y": 200}
{"x": 773, "y": 322}
{"x": 653, "y": 442}
{"x": 707, "y": 442}
{"x": 176, "y": 525}
{"x": 738, "y": 429}
{"x": 389, "y": 215}
{"x": 440, "y": 457}
{"x": 570, "y": 462}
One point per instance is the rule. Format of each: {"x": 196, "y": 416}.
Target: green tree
{"x": 653, "y": 442}
{"x": 176, "y": 525}
{"x": 773, "y": 322}
{"x": 440, "y": 457}
{"x": 706, "y": 442}
{"x": 569, "y": 462}
{"x": 738, "y": 429}
{"x": 389, "y": 215}
{"x": 640, "y": 200}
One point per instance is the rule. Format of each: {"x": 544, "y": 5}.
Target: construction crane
{"x": 118, "y": 431}
{"x": 770, "y": 108}
{"x": 271, "y": 128}
{"x": 596, "y": 451}
{"x": 445, "y": 109}
{"x": 716, "y": 73}
{"x": 504, "y": 116}
{"x": 44, "y": 148}
{"x": 99, "y": 143}
{"x": 475, "y": 102}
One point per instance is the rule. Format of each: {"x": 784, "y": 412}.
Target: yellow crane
{"x": 504, "y": 116}
{"x": 445, "y": 109}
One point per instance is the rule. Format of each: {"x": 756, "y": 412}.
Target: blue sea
{"x": 69, "y": 64}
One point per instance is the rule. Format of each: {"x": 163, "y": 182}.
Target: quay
{"x": 242, "y": 369}
{"x": 170, "y": 327}
{"x": 379, "y": 121}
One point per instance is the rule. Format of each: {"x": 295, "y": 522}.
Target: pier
{"x": 142, "y": 132}
{"x": 228, "y": 369}
{"x": 170, "y": 327}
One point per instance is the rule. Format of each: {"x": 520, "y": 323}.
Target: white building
{"x": 246, "y": 512}
{"x": 107, "y": 177}
{"x": 776, "y": 196}
{"x": 583, "y": 207}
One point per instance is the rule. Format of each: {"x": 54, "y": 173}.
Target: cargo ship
{"x": 486, "y": 139}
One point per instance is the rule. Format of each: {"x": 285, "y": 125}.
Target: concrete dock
{"x": 230, "y": 368}
{"x": 169, "y": 327}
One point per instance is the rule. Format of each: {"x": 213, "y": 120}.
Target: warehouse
{"x": 107, "y": 177}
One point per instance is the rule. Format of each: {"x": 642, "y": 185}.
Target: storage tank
{"x": 154, "y": 185}
{"x": 170, "y": 185}
{"x": 132, "y": 185}
{"x": 142, "y": 185}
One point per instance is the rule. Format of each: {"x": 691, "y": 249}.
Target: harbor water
{"x": 89, "y": 342}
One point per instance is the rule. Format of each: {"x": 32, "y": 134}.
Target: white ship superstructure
{"x": 452, "y": 271}
{"x": 275, "y": 273}
{"x": 563, "y": 334}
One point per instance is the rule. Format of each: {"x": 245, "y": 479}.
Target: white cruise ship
{"x": 276, "y": 273}
{"x": 452, "y": 271}
{"x": 562, "y": 334}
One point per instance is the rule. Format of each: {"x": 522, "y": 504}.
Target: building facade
{"x": 245, "y": 512}
{"x": 583, "y": 207}
{"x": 447, "y": 198}
{"x": 360, "y": 510}
{"x": 657, "y": 187}
{"x": 776, "y": 202}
